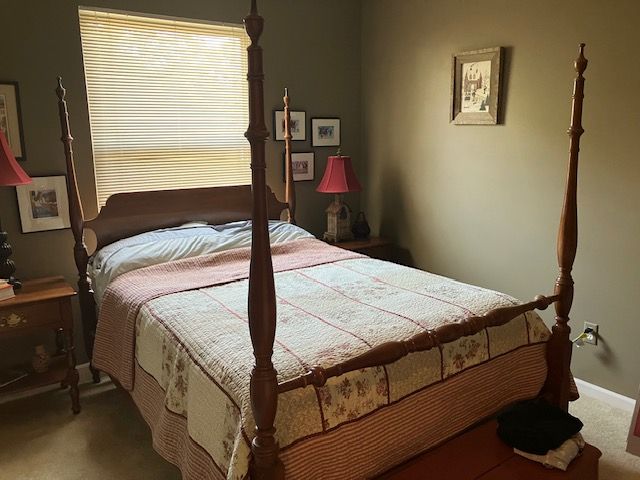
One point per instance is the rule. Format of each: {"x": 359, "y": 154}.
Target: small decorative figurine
{"x": 41, "y": 359}
{"x": 360, "y": 228}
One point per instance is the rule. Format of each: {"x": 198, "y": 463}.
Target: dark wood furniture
{"x": 127, "y": 214}
{"x": 43, "y": 304}
{"x": 374, "y": 247}
{"x": 479, "y": 454}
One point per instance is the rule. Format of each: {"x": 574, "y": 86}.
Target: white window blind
{"x": 168, "y": 102}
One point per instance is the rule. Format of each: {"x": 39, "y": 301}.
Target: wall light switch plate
{"x": 593, "y": 326}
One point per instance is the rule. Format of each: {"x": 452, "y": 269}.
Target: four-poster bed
{"x": 158, "y": 349}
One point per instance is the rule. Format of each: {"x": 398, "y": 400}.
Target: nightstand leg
{"x": 60, "y": 350}
{"x": 72, "y": 379}
{"x": 59, "y": 341}
{"x": 72, "y": 375}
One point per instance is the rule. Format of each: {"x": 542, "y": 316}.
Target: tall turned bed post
{"x": 265, "y": 463}
{"x": 559, "y": 346}
{"x": 290, "y": 191}
{"x": 76, "y": 215}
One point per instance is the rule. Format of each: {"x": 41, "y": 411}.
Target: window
{"x": 168, "y": 102}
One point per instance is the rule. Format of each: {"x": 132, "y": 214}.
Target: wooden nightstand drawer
{"x": 36, "y": 315}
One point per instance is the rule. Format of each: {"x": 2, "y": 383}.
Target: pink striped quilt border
{"x": 374, "y": 443}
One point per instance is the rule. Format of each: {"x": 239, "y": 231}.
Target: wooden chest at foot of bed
{"x": 480, "y": 455}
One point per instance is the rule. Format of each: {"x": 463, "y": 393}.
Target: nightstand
{"x": 374, "y": 247}
{"x": 43, "y": 304}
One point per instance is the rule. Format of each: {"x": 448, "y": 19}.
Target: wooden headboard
{"x": 128, "y": 214}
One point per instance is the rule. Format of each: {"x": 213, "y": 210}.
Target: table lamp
{"x": 11, "y": 175}
{"x": 339, "y": 178}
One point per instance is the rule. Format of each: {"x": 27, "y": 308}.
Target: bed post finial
{"x": 581, "y": 62}
{"x": 265, "y": 464}
{"x": 76, "y": 215}
{"x": 290, "y": 190}
{"x": 559, "y": 347}
{"x": 60, "y": 90}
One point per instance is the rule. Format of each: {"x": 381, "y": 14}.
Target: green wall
{"x": 482, "y": 203}
{"x": 478, "y": 203}
{"x": 311, "y": 47}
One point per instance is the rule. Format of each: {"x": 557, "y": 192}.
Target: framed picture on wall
{"x": 304, "y": 166}
{"x": 44, "y": 204}
{"x": 298, "y": 125}
{"x": 325, "y": 132}
{"x": 10, "y": 118}
{"x": 476, "y": 77}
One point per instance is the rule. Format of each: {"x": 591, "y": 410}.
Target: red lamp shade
{"x": 11, "y": 174}
{"x": 339, "y": 177}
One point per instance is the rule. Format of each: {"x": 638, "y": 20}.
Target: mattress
{"x": 176, "y": 335}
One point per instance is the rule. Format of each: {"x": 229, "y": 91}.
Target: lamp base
{"x": 338, "y": 222}
{"x": 7, "y": 267}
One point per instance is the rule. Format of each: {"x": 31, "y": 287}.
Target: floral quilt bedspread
{"x": 196, "y": 345}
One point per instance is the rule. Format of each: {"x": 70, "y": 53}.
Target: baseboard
{"x": 611, "y": 398}
{"x": 83, "y": 371}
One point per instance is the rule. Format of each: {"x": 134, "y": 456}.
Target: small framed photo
{"x": 10, "y": 118}
{"x": 44, "y": 204}
{"x": 304, "y": 166}
{"x": 325, "y": 132}
{"x": 298, "y": 125}
{"x": 476, "y": 77}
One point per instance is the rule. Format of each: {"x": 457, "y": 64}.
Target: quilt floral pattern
{"x": 197, "y": 346}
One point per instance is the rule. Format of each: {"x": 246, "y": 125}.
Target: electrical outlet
{"x": 594, "y": 339}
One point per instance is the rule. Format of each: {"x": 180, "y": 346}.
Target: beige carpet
{"x": 607, "y": 428}
{"x": 41, "y": 440}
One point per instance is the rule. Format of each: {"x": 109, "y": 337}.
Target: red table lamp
{"x": 339, "y": 178}
{"x": 11, "y": 175}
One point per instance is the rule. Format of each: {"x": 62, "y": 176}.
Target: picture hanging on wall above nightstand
{"x": 44, "y": 204}
{"x": 325, "y": 132}
{"x": 298, "y": 125}
{"x": 304, "y": 166}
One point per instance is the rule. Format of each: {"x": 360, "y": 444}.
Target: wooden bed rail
{"x": 390, "y": 352}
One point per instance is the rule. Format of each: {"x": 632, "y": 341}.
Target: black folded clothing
{"x": 535, "y": 426}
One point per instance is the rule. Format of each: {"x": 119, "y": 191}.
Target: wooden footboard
{"x": 559, "y": 347}
{"x": 390, "y": 352}
{"x": 262, "y": 306}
